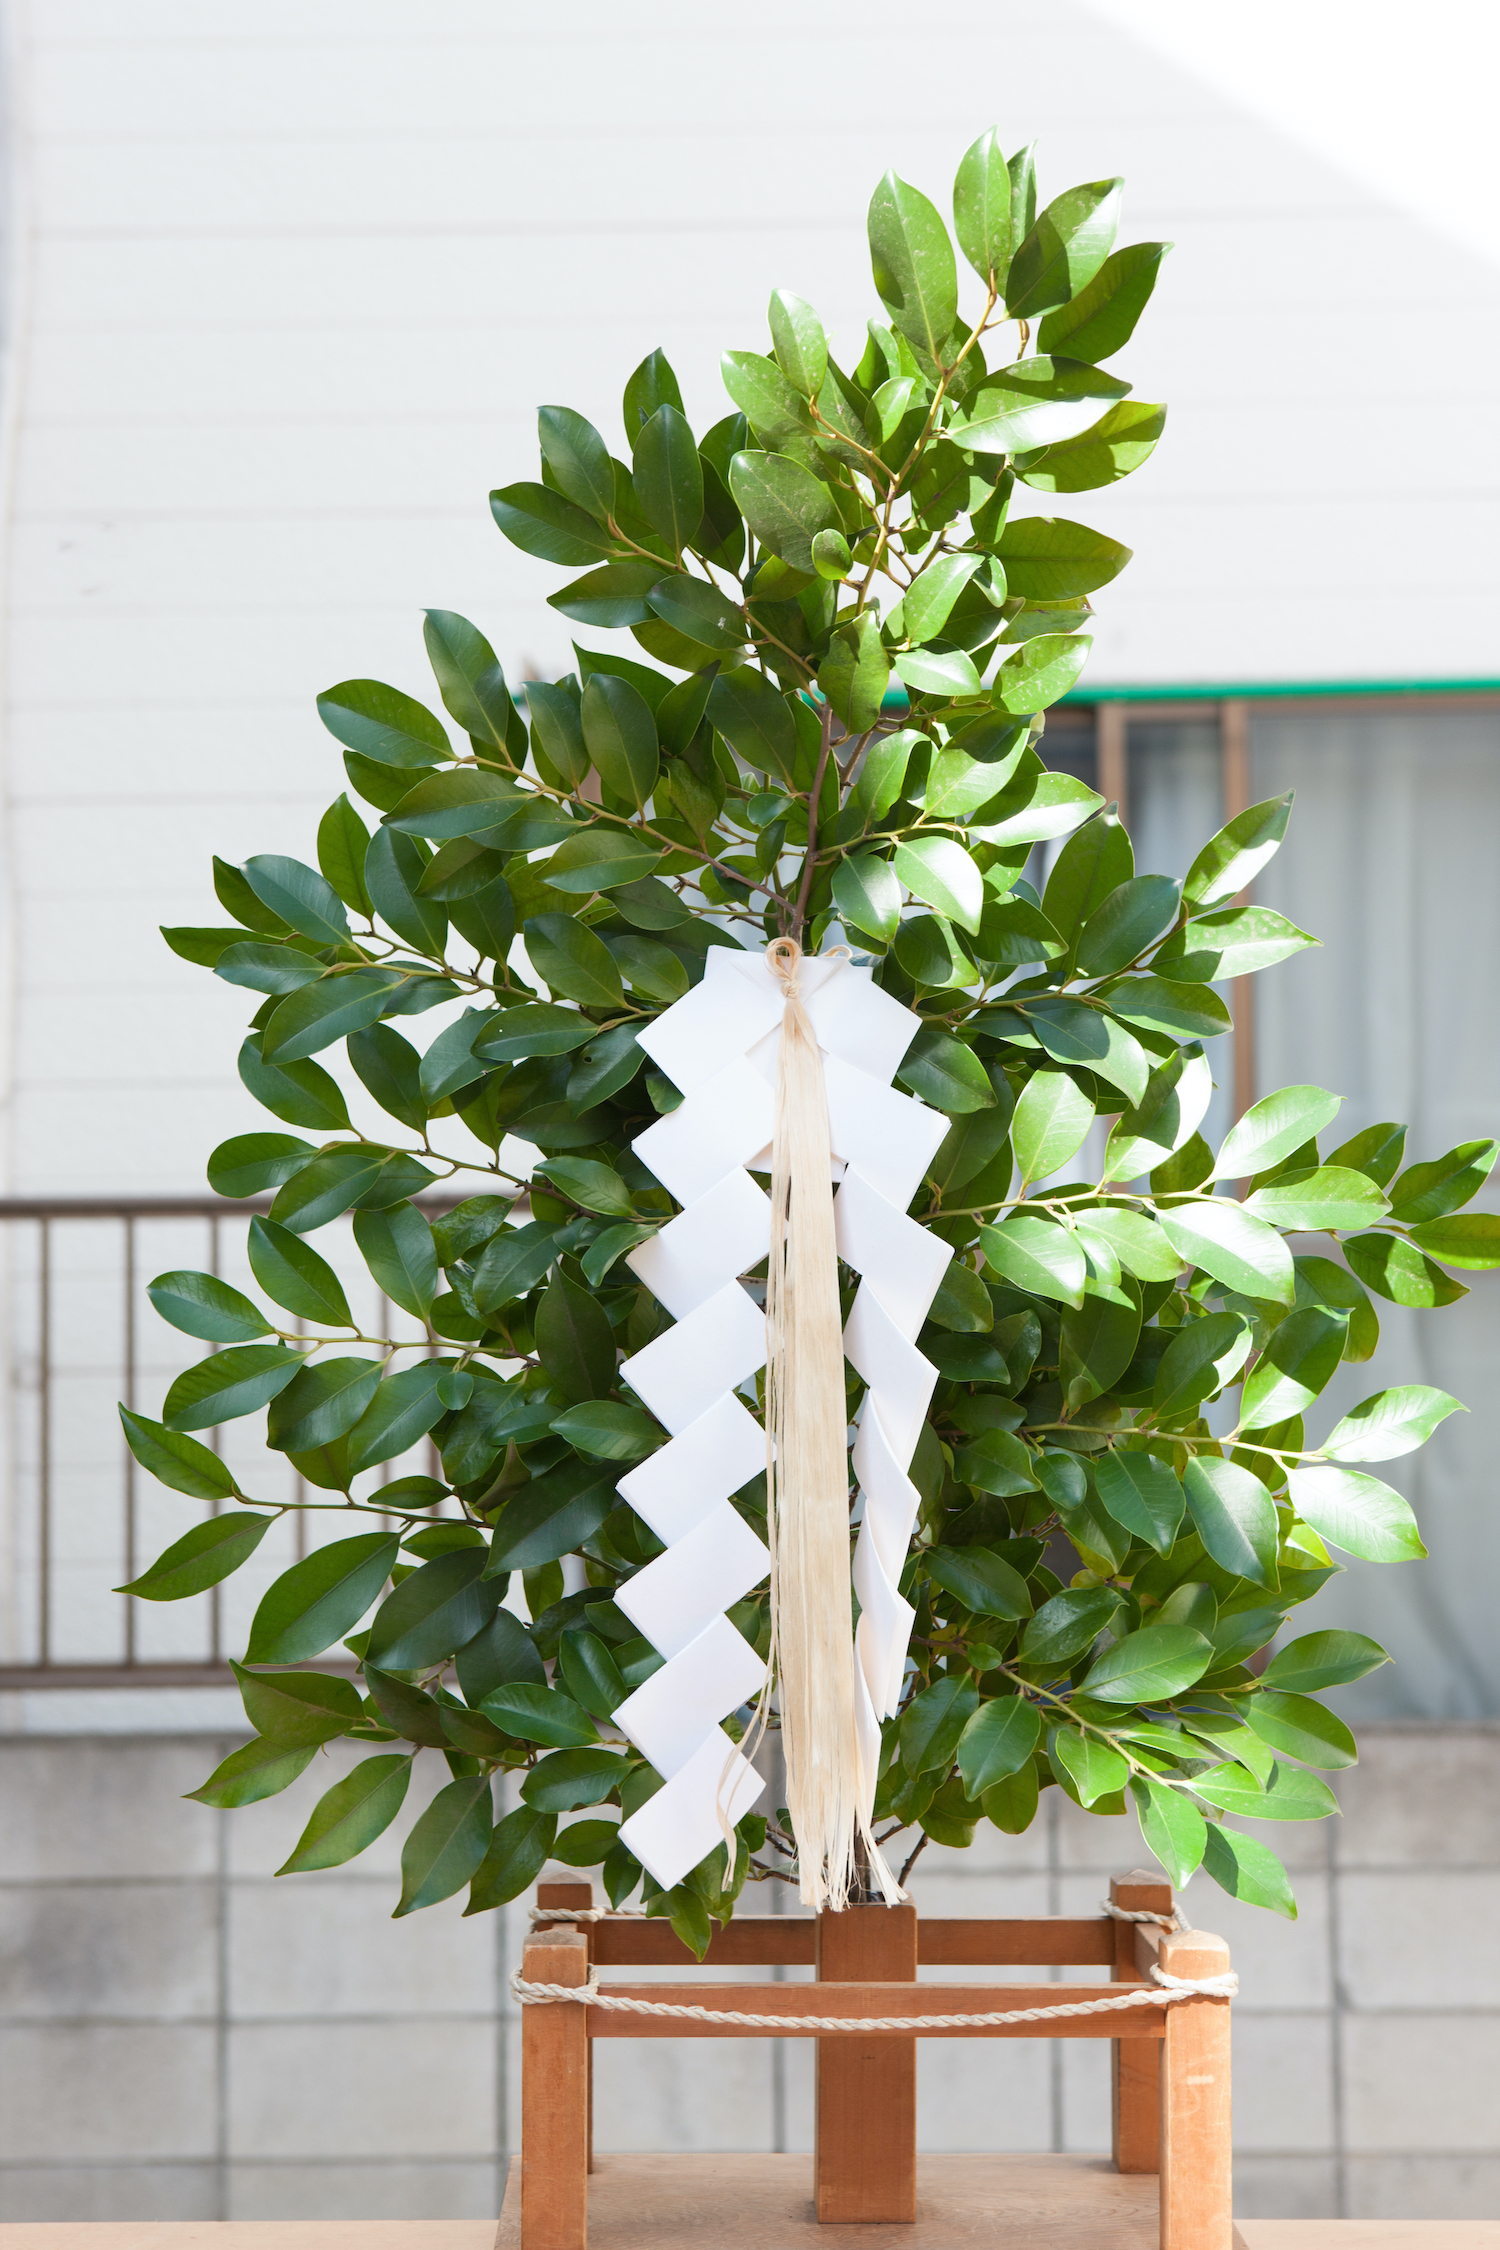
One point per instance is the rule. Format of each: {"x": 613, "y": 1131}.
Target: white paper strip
{"x": 717, "y": 1672}
{"x": 680, "y": 1825}
{"x": 680, "y": 1374}
{"x": 688, "y": 1478}
{"x": 683, "y": 1265}
{"x": 711, "y": 1568}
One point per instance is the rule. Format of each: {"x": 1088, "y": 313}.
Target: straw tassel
{"x": 807, "y": 1476}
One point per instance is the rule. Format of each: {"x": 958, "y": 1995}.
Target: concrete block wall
{"x": 182, "y": 2037}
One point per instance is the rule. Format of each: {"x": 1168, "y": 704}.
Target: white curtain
{"x": 1393, "y": 860}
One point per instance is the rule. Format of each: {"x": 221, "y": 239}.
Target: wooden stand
{"x": 1170, "y": 2078}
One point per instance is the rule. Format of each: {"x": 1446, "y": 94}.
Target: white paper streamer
{"x": 718, "y": 1045}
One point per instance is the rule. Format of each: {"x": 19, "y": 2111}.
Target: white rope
{"x": 540, "y": 1914}
{"x": 1140, "y": 1996}
{"x": 1176, "y": 1921}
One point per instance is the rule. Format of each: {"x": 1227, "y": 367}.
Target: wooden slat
{"x": 578, "y": 1895}
{"x": 789, "y": 2001}
{"x": 1135, "y": 2069}
{"x": 554, "y": 2098}
{"x": 865, "y": 2161}
{"x": 1195, "y": 2123}
{"x": 756, "y": 1941}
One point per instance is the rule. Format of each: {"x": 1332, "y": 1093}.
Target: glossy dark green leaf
{"x": 321, "y": 1598}
{"x": 753, "y": 717}
{"x": 252, "y": 1162}
{"x": 1323, "y": 1660}
{"x": 1051, "y": 1122}
{"x": 261, "y": 966}
{"x": 307, "y": 1021}
{"x": 434, "y": 1612}
{"x": 1301, "y": 1728}
{"x": 394, "y": 867}
{"x": 1047, "y": 558}
{"x": 981, "y": 210}
{"x": 982, "y": 1580}
{"x": 799, "y": 342}
{"x": 519, "y": 1849}
{"x": 997, "y": 1741}
{"x": 383, "y": 724}
{"x": 1201, "y": 1358}
{"x": 620, "y": 732}
{"x": 233, "y": 1382}
{"x": 1172, "y": 1826}
{"x": 447, "y": 1844}
{"x": 301, "y": 897}
{"x": 1233, "y": 858}
{"x": 201, "y": 1558}
{"x": 1397, "y": 1270}
{"x": 773, "y": 406}
{"x": 1126, "y": 924}
{"x": 202, "y": 1305}
{"x": 1143, "y": 1494}
{"x": 785, "y": 505}
{"x": 536, "y": 1030}
{"x": 1036, "y": 1254}
{"x": 612, "y": 596}
{"x": 591, "y": 1673}
{"x": 1301, "y": 1358}
{"x": 472, "y": 684}
{"x": 575, "y": 1341}
{"x": 292, "y": 1273}
{"x": 1357, "y": 1513}
{"x": 403, "y": 1410}
{"x": 1431, "y": 1191}
{"x": 397, "y": 1246}
{"x": 1115, "y": 446}
{"x": 540, "y": 1714}
{"x": 1149, "y": 1666}
{"x": 347, "y": 1819}
{"x": 1242, "y": 1252}
{"x": 601, "y": 859}
{"x": 913, "y": 264}
{"x": 1064, "y": 249}
{"x": 298, "y": 1710}
{"x": 1072, "y": 1032}
{"x": 1247, "y": 1870}
{"x": 933, "y": 1722}
{"x": 1093, "y": 1769}
{"x": 327, "y": 1397}
{"x": 699, "y": 612}
{"x": 1234, "y": 1516}
{"x": 543, "y": 523}
{"x": 502, "y": 1651}
{"x": 1291, "y": 1793}
{"x": 249, "y": 1775}
{"x": 668, "y": 475}
{"x": 573, "y": 1778}
{"x": 177, "y": 1460}
{"x": 943, "y": 1071}
{"x": 578, "y": 458}
{"x": 553, "y": 1515}
{"x": 1100, "y": 318}
{"x": 301, "y": 1093}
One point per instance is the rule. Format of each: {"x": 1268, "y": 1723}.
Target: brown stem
{"x": 809, "y": 864}
{"x": 912, "y": 1857}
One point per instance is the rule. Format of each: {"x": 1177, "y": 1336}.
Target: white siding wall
{"x": 290, "y": 278}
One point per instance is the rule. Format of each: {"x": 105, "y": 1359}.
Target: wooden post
{"x": 866, "y": 2144}
{"x": 554, "y": 2097}
{"x": 1196, "y": 2173}
{"x": 1135, "y": 2064}
{"x": 578, "y": 1896}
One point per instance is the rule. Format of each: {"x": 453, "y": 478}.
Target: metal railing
{"x": 78, "y": 1516}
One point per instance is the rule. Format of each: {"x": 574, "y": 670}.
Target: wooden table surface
{"x": 765, "y": 2203}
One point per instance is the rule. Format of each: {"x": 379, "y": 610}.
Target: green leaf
{"x": 981, "y": 210}
{"x": 1233, "y": 858}
{"x": 1072, "y": 1032}
{"x": 574, "y": 1341}
{"x": 1035, "y": 402}
{"x": 962, "y": 1302}
{"x": 519, "y": 1849}
{"x": 943, "y": 1071}
{"x": 1292, "y": 1793}
{"x": 1202, "y": 1357}
{"x": 291, "y": 1272}
{"x": 309, "y": 1020}
{"x": 933, "y": 1722}
{"x": 552, "y": 1516}
{"x": 591, "y": 1673}
{"x": 252, "y": 1773}
{"x": 1356, "y": 1512}
{"x": 1047, "y": 558}
{"x": 1301, "y": 1357}
{"x": 404, "y": 1409}
{"x": 542, "y": 523}
{"x": 465, "y": 801}
{"x": 997, "y": 1742}
{"x": 579, "y": 460}
{"x": 586, "y": 1842}
{"x": 1232, "y": 942}
{"x": 1037, "y": 1255}
{"x": 231, "y": 1383}
{"x": 607, "y": 1064}
{"x": 204, "y": 1556}
{"x": 434, "y": 1612}
{"x": 1471, "y": 1240}
{"x": 557, "y": 729}
{"x": 1301, "y": 1728}
{"x": 572, "y": 1778}
{"x": 203, "y": 947}
{"x": 855, "y": 673}
{"x": 928, "y": 601}
{"x": 1327, "y": 1197}
{"x": 174, "y": 1460}
{"x": 1246, "y": 1869}
{"x": 867, "y": 895}
{"x": 652, "y": 385}
{"x": 326, "y": 1398}
{"x": 321, "y": 1598}
{"x": 1129, "y": 921}
{"x": 347, "y": 1819}
{"x": 1100, "y": 318}
{"x": 649, "y": 968}
{"x": 981, "y": 1580}
{"x": 1234, "y": 1516}
{"x": 620, "y": 732}
{"x": 799, "y": 342}
{"x": 595, "y": 1186}
{"x": 1323, "y": 1660}
{"x": 755, "y": 721}
{"x": 1390, "y": 1424}
{"x": 996, "y": 1462}
{"x": 1143, "y": 1494}
{"x": 302, "y": 898}
{"x": 774, "y": 407}
{"x": 699, "y": 612}
{"x": 1172, "y": 1826}
{"x": 1068, "y": 1625}
{"x": 941, "y": 873}
{"x": 1176, "y": 1097}
{"x": 785, "y": 505}
{"x": 503, "y": 1651}
{"x": 571, "y": 960}
{"x": 1094, "y": 1770}
{"x": 538, "y": 1030}
{"x": 390, "y": 1070}
{"x": 1064, "y": 250}
{"x": 1431, "y": 1191}
{"x": 539, "y": 1714}
{"x": 397, "y": 1246}
{"x": 202, "y": 1305}
{"x": 944, "y": 672}
{"x": 1039, "y": 674}
{"x": 1397, "y": 1270}
{"x": 512, "y": 1264}
{"x": 298, "y": 1710}
{"x": 252, "y": 1162}
{"x": 1115, "y": 446}
{"x": 1098, "y": 1342}
{"x": 1149, "y": 1666}
{"x": 447, "y": 1844}
{"x": 383, "y": 724}
{"x": 1137, "y": 1242}
{"x": 669, "y": 476}
{"x": 1242, "y": 1252}
{"x": 1011, "y": 1804}
{"x": 266, "y": 968}
{"x": 913, "y": 264}
{"x": 301, "y": 1092}
{"x": 1376, "y": 1152}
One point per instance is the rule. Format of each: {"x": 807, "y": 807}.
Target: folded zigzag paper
{"x": 719, "y": 1046}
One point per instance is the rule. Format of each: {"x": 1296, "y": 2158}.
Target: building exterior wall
{"x": 181, "y": 2037}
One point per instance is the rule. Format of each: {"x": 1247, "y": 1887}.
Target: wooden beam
{"x": 1135, "y": 2068}
{"x": 758, "y": 1941}
{"x": 865, "y": 2160}
{"x": 554, "y": 2097}
{"x": 578, "y": 1895}
{"x": 1195, "y": 2124}
{"x": 791, "y": 2001}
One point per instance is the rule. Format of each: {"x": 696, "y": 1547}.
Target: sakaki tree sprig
{"x": 1094, "y": 1567}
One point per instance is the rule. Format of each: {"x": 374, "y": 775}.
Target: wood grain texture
{"x": 1196, "y": 2171}
{"x": 762, "y": 1940}
{"x": 865, "y": 2141}
{"x": 793, "y": 2000}
{"x": 1135, "y": 2069}
{"x": 554, "y": 2097}
{"x": 579, "y": 1896}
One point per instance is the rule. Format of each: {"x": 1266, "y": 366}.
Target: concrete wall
{"x": 183, "y": 2038}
